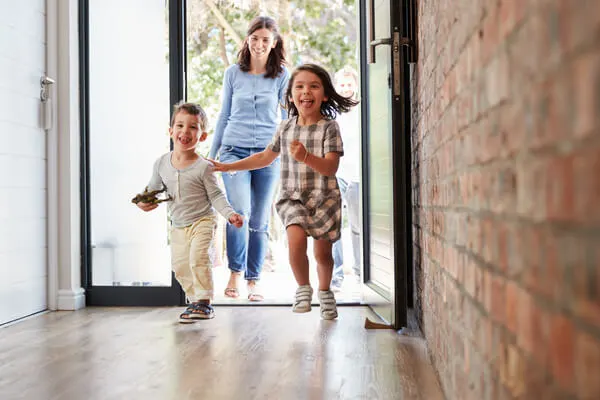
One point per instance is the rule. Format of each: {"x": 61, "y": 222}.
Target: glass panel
{"x": 129, "y": 119}
{"x": 381, "y": 158}
{"x": 380, "y": 172}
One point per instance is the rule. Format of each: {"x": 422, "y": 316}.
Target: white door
{"x": 23, "y": 189}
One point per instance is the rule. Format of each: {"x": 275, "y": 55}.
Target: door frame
{"x": 402, "y": 21}
{"x": 124, "y": 295}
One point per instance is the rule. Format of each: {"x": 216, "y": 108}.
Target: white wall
{"x": 23, "y": 208}
{"x": 40, "y": 253}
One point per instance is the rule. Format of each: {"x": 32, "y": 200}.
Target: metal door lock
{"x": 45, "y": 83}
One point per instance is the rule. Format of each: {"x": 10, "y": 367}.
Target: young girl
{"x": 309, "y": 202}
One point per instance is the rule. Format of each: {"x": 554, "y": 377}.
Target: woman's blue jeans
{"x": 250, "y": 193}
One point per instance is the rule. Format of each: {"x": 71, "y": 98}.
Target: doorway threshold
{"x": 279, "y": 287}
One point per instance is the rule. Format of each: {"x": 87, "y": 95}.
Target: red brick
{"x": 536, "y": 380}
{"x": 511, "y": 12}
{"x": 512, "y": 128}
{"x": 560, "y": 201}
{"x": 531, "y": 188}
{"x": 561, "y": 349}
{"x": 534, "y": 243}
{"x": 533, "y": 329}
{"x": 502, "y": 236}
{"x": 550, "y": 266}
{"x": 479, "y": 285}
{"x": 498, "y": 312}
{"x": 513, "y": 295}
{"x": 551, "y": 111}
{"x": 586, "y": 285}
{"x": 470, "y": 268}
{"x": 522, "y": 64}
{"x": 488, "y": 241}
{"x": 586, "y": 164}
{"x": 587, "y": 354}
{"x": 487, "y": 290}
{"x": 515, "y": 366}
{"x": 487, "y": 329}
{"x": 578, "y": 25}
{"x": 489, "y": 35}
{"x": 516, "y": 250}
{"x": 497, "y": 76}
{"x": 586, "y": 102}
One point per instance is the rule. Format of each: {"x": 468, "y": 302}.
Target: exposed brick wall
{"x": 506, "y": 175}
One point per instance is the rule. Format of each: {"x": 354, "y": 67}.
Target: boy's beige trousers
{"x": 191, "y": 260}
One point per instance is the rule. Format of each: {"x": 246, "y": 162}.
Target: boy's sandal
{"x": 186, "y": 316}
{"x": 196, "y": 311}
{"x": 232, "y": 292}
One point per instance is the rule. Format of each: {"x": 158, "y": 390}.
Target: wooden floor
{"x": 243, "y": 353}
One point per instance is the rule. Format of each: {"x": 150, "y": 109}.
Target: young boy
{"x": 194, "y": 190}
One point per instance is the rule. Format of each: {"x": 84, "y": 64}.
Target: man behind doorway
{"x": 348, "y": 176}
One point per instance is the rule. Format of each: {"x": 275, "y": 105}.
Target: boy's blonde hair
{"x": 346, "y": 71}
{"x": 192, "y": 109}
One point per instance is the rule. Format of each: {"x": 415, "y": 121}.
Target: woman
{"x": 253, "y": 95}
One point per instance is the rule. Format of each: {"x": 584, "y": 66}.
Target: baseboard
{"x": 71, "y": 299}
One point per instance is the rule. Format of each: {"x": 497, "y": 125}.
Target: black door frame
{"x": 163, "y": 296}
{"x": 124, "y": 295}
{"x": 403, "y": 21}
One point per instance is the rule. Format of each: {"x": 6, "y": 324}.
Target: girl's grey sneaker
{"x": 328, "y": 305}
{"x": 303, "y": 300}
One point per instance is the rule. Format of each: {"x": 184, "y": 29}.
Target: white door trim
{"x": 52, "y": 155}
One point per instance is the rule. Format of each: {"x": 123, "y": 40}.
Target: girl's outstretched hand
{"x": 219, "y": 167}
{"x": 236, "y": 220}
{"x": 298, "y": 151}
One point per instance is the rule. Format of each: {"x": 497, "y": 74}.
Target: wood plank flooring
{"x": 243, "y": 353}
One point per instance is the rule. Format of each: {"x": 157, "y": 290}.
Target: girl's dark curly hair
{"x": 276, "y": 59}
{"x": 335, "y": 104}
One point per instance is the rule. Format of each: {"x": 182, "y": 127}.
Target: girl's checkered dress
{"x": 308, "y": 198}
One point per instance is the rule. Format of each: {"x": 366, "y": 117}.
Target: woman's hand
{"x": 236, "y": 220}
{"x": 298, "y": 151}
{"x": 219, "y": 167}
{"x": 146, "y": 206}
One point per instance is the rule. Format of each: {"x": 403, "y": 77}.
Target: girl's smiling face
{"x": 186, "y": 131}
{"x": 308, "y": 94}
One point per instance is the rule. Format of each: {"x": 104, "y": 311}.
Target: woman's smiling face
{"x": 260, "y": 43}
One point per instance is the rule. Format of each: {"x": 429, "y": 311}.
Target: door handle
{"x": 396, "y": 41}
{"x": 373, "y": 44}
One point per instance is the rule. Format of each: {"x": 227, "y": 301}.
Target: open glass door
{"x": 214, "y": 34}
{"x": 385, "y": 211}
{"x": 127, "y": 100}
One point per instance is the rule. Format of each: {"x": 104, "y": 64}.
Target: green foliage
{"x": 319, "y": 31}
